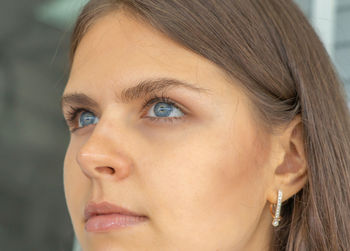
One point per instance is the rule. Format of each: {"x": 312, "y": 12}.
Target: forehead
{"x": 119, "y": 34}
{"x": 120, "y": 49}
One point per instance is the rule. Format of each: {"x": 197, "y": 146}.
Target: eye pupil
{"x": 86, "y": 118}
{"x": 163, "y": 109}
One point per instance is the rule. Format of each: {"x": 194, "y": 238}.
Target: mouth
{"x": 105, "y": 216}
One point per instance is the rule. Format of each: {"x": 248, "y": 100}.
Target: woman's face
{"x": 195, "y": 164}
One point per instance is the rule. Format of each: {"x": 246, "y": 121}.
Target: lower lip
{"x": 102, "y": 223}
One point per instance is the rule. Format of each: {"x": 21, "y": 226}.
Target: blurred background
{"x": 34, "y": 45}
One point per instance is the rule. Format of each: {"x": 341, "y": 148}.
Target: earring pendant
{"x": 276, "y": 215}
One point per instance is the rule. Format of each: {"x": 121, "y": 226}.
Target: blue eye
{"x": 163, "y": 109}
{"x": 87, "y": 118}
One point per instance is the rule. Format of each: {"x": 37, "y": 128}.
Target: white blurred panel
{"x": 323, "y": 15}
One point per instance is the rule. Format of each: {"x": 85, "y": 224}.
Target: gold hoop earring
{"x": 276, "y": 216}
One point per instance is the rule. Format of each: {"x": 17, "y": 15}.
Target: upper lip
{"x": 93, "y": 208}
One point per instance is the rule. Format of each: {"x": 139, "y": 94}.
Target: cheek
{"x": 237, "y": 187}
{"x": 234, "y": 195}
{"x": 216, "y": 183}
{"x": 237, "y": 178}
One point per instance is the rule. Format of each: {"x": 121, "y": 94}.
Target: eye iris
{"x": 86, "y": 118}
{"x": 163, "y": 109}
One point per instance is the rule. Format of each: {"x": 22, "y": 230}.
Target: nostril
{"x": 105, "y": 169}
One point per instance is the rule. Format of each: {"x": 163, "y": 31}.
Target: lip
{"x": 105, "y": 216}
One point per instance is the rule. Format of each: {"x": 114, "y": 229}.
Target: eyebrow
{"x": 146, "y": 87}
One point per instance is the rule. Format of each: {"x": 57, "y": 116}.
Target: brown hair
{"x": 281, "y": 64}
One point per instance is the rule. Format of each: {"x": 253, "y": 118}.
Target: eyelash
{"x": 74, "y": 111}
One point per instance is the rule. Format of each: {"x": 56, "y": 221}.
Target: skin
{"x": 205, "y": 182}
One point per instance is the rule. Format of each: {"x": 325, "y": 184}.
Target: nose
{"x": 99, "y": 158}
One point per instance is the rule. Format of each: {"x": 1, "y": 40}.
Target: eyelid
{"x": 157, "y": 99}
{"x": 72, "y": 114}
{"x": 165, "y": 120}
{"x": 166, "y": 99}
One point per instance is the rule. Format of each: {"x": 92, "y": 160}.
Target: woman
{"x": 205, "y": 125}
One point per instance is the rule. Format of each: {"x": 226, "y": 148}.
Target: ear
{"x": 291, "y": 175}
